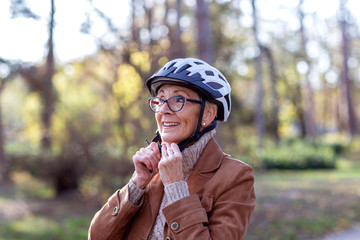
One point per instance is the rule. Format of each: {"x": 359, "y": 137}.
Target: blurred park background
{"x": 73, "y": 105}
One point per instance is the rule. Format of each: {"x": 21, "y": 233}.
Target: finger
{"x": 155, "y": 148}
{"x": 175, "y": 148}
{"x": 150, "y": 153}
{"x": 154, "y": 157}
{"x": 169, "y": 148}
{"x": 145, "y": 158}
{"x": 148, "y": 164}
{"x": 165, "y": 150}
{"x": 152, "y": 160}
{"x": 176, "y": 151}
{"x": 138, "y": 155}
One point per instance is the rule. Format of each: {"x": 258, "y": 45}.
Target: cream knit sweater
{"x": 175, "y": 191}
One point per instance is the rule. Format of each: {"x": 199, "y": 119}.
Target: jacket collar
{"x": 156, "y": 192}
{"x": 211, "y": 157}
{"x": 209, "y": 161}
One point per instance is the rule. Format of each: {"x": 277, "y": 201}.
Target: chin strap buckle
{"x": 156, "y": 139}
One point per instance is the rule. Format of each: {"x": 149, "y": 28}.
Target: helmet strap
{"x": 197, "y": 134}
{"x": 156, "y": 139}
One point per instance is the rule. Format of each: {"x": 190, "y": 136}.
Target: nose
{"x": 164, "y": 108}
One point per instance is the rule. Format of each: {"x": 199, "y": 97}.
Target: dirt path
{"x": 71, "y": 204}
{"x": 350, "y": 234}
{"x": 16, "y": 209}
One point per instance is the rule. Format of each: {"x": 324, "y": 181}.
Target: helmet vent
{"x": 227, "y": 98}
{"x": 198, "y": 76}
{"x": 221, "y": 78}
{"x": 214, "y": 85}
{"x": 186, "y": 66}
{"x": 209, "y": 73}
{"x": 172, "y": 64}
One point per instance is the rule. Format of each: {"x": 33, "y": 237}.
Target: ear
{"x": 209, "y": 115}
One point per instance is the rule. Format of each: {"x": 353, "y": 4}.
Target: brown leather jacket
{"x": 220, "y": 205}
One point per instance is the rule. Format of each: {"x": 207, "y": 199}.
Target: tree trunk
{"x": 310, "y": 125}
{"x": 48, "y": 92}
{"x": 259, "y": 115}
{"x": 274, "y": 95}
{"x": 134, "y": 29}
{"x": 178, "y": 49}
{"x": 4, "y": 164}
{"x": 348, "y": 113}
{"x": 204, "y": 36}
{"x": 149, "y": 16}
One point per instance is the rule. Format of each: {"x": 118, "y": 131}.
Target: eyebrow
{"x": 175, "y": 91}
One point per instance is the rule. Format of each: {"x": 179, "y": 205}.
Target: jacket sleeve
{"x": 113, "y": 219}
{"x": 223, "y": 215}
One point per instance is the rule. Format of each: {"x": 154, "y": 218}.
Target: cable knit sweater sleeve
{"x": 176, "y": 191}
{"x": 135, "y": 193}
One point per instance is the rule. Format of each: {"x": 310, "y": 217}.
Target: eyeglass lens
{"x": 175, "y": 103}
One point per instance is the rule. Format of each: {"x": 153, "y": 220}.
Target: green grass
{"x": 305, "y": 204}
{"x": 40, "y": 228}
{"x": 29, "y": 211}
{"x": 291, "y": 205}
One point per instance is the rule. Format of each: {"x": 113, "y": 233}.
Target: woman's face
{"x": 175, "y": 127}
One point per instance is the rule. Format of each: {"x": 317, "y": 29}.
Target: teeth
{"x": 171, "y": 124}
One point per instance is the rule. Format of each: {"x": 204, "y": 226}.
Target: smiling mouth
{"x": 168, "y": 124}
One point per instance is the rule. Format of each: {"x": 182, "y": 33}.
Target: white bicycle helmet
{"x": 199, "y": 76}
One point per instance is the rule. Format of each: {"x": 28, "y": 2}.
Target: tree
{"x": 204, "y": 37}
{"x": 39, "y": 79}
{"x": 310, "y": 127}
{"x": 274, "y": 94}
{"x": 18, "y": 8}
{"x": 4, "y": 160}
{"x": 259, "y": 116}
{"x": 347, "y": 110}
{"x": 48, "y": 92}
{"x": 134, "y": 28}
{"x": 177, "y": 49}
{"x": 4, "y": 164}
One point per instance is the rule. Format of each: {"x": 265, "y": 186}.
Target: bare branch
{"x": 19, "y": 8}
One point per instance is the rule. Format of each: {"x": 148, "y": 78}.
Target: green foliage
{"x": 298, "y": 155}
{"x": 128, "y": 85}
{"x": 93, "y": 170}
{"x": 101, "y": 119}
{"x": 31, "y": 187}
{"x": 305, "y": 204}
{"x": 290, "y": 205}
{"x": 30, "y": 213}
{"x": 40, "y": 228}
{"x": 100, "y": 115}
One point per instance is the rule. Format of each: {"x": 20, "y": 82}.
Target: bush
{"x": 298, "y": 155}
{"x": 71, "y": 168}
{"x": 338, "y": 148}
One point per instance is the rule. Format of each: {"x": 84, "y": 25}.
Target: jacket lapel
{"x": 156, "y": 192}
{"x": 209, "y": 161}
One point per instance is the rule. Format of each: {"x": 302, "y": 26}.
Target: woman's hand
{"x": 170, "y": 165}
{"x": 146, "y": 164}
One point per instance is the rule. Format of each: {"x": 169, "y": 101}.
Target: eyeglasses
{"x": 175, "y": 103}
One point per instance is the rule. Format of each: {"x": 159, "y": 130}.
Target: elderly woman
{"x": 184, "y": 186}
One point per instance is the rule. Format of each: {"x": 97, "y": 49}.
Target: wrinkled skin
{"x": 174, "y": 127}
